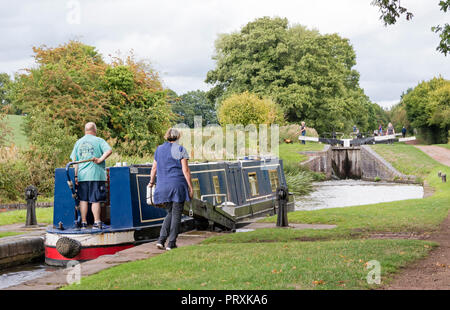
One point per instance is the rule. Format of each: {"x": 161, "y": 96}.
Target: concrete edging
{"x": 18, "y": 250}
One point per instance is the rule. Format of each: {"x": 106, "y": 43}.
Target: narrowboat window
{"x": 196, "y": 188}
{"x": 216, "y": 184}
{"x": 273, "y": 176}
{"x": 253, "y": 181}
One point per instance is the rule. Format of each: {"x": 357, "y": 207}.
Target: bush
{"x": 14, "y": 177}
{"x": 247, "y": 108}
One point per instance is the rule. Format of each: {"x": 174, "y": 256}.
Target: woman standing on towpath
{"x": 174, "y": 185}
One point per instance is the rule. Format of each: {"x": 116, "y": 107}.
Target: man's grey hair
{"x": 90, "y": 127}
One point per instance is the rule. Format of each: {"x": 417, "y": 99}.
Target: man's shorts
{"x": 92, "y": 191}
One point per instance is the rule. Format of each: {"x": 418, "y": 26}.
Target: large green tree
{"x": 309, "y": 75}
{"x": 194, "y": 103}
{"x": 391, "y": 10}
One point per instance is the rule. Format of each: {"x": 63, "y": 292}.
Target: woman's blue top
{"x": 171, "y": 184}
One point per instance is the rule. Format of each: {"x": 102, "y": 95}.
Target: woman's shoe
{"x": 160, "y": 246}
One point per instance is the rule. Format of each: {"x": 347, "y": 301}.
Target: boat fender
{"x": 150, "y": 194}
{"x": 68, "y": 247}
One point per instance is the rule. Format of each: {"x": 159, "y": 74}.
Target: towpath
{"x": 438, "y": 153}
{"x": 59, "y": 278}
{"x": 432, "y": 273}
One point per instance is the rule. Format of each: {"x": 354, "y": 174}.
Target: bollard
{"x": 282, "y": 198}
{"x": 31, "y": 194}
{"x": 444, "y": 178}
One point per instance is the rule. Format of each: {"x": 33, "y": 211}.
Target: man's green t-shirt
{"x": 85, "y": 148}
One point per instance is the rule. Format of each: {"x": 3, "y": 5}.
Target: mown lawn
{"x": 43, "y": 216}
{"x": 267, "y": 266}
{"x": 406, "y": 158}
{"x": 289, "y": 152}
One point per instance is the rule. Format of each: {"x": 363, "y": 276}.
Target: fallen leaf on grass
{"x": 276, "y": 271}
{"x": 318, "y": 282}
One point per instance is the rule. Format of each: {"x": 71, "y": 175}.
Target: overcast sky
{"x": 177, "y": 36}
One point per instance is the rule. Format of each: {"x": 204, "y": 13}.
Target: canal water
{"x": 345, "y": 193}
{"x": 23, "y": 273}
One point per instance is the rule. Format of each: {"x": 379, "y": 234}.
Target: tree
{"x": 67, "y": 84}
{"x": 138, "y": 112}
{"x": 4, "y": 83}
{"x": 5, "y": 131}
{"x": 248, "y": 108}
{"x": 391, "y": 11}
{"x": 73, "y": 83}
{"x": 428, "y": 109}
{"x": 309, "y": 75}
{"x": 194, "y": 103}
{"x": 399, "y": 118}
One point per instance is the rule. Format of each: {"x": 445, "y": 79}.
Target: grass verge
{"x": 447, "y": 146}
{"x": 9, "y": 233}
{"x": 43, "y": 216}
{"x": 406, "y": 158}
{"x": 289, "y": 152}
{"x": 282, "y": 265}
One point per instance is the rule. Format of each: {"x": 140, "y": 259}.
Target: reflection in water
{"x": 344, "y": 193}
{"x": 16, "y": 275}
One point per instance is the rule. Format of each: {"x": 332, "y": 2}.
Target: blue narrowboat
{"x": 225, "y": 193}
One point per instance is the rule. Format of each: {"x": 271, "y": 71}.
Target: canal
{"x": 345, "y": 193}
{"x": 23, "y": 273}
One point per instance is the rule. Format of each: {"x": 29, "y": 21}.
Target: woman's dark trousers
{"x": 171, "y": 224}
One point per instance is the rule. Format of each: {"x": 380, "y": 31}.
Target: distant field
{"x": 15, "y": 122}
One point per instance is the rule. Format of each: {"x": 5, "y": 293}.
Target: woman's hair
{"x": 172, "y": 135}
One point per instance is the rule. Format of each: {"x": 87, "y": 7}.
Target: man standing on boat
{"x": 91, "y": 176}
